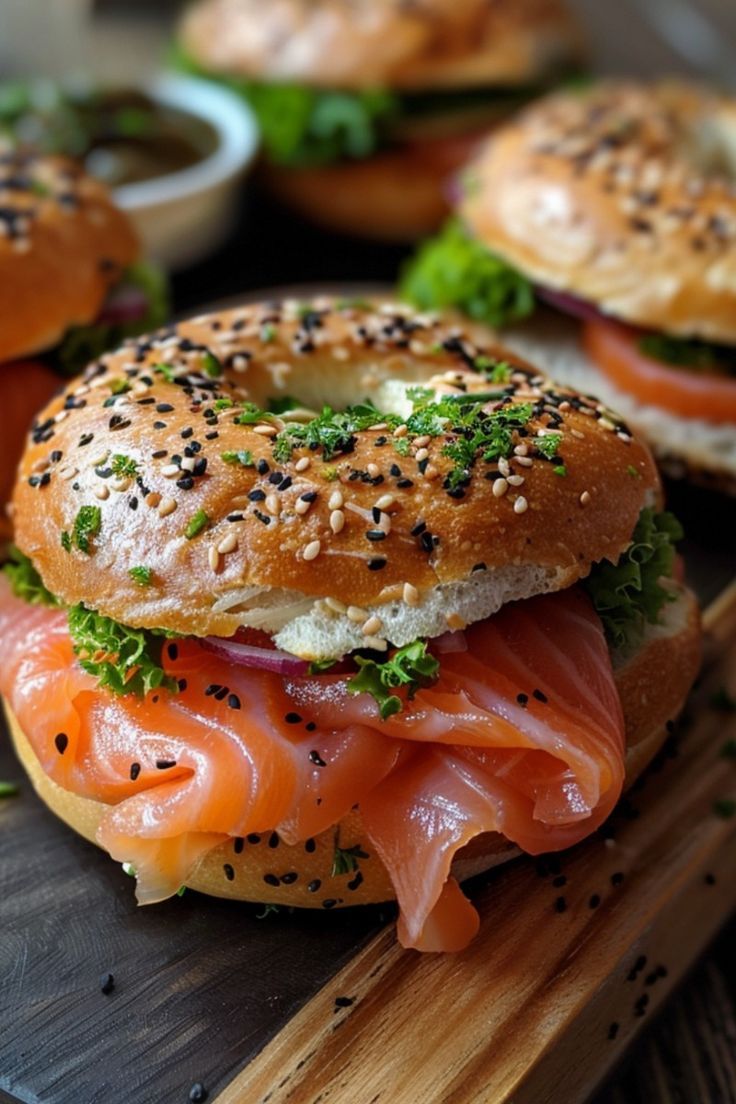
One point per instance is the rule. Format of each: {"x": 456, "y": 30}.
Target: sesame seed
{"x": 102, "y": 492}
{"x": 166, "y": 507}
{"x": 421, "y": 454}
{"x": 228, "y": 544}
{"x": 520, "y": 505}
{"x": 401, "y": 431}
{"x": 525, "y": 461}
{"x": 384, "y": 502}
{"x": 376, "y": 643}
{"x": 170, "y": 470}
{"x": 213, "y": 557}
{"x": 585, "y": 498}
{"x": 503, "y": 466}
{"x": 336, "y": 500}
{"x": 515, "y": 480}
{"x": 265, "y": 430}
{"x": 337, "y": 521}
{"x": 302, "y": 464}
{"x": 373, "y": 470}
{"x": 577, "y": 433}
{"x": 372, "y": 626}
{"x": 411, "y": 595}
{"x": 188, "y": 463}
{"x": 500, "y": 486}
{"x": 152, "y": 499}
{"x": 312, "y": 551}
{"x": 336, "y": 605}
{"x": 454, "y": 621}
{"x": 272, "y": 503}
{"x": 302, "y": 505}
{"x": 357, "y": 614}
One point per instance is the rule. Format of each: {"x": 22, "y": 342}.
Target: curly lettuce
{"x": 629, "y": 595}
{"x": 25, "y": 581}
{"x": 454, "y": 270}
{"x": 83, "y": 344}
{"x": 123, "y": 660}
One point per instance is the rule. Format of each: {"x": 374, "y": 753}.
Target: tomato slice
{"x": 614, "y": 348}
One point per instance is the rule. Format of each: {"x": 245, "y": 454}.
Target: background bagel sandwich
{"x": 324, "y": 655}
{"x": 615, "y": 206}
{"x": 366, "y": 110}
{"x": 72, "y": 286}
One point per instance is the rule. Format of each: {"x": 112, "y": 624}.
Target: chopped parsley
{"x": 454, "y": 270}
{"x": 629, "y": 595}
{"x": 124, "y": 660}
{"x": 124, "y": 466}
{"x": 560, "y": 469}
{"x": 411, "y": 667}
{"x": 346, "y": 859}
{"x": 8, "y": 789}
{"x": 196, "y": 524}
{"x": 331, "y": 431}
{"x": 548, "y": 445}
{"x": 141, "y": 575}
{"x": 633, "y": 472}
{"x": 211, "y": 366}
{"x": 244, "y": 457}
{"x": 250, "y": 414}
{"x": 87, "y": 524}
{"x": 25, "y": 581}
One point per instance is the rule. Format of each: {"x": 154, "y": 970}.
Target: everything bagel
{"x": 283, "y": 522}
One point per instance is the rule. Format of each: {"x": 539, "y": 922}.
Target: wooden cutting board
{"x": 574, "y": 953}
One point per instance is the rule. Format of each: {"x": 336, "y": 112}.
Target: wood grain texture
{"x": 544, "y": 1002}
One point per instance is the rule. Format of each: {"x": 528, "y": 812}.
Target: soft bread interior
{"x": 653, "y": 682}
{"x": 680, "y": 444}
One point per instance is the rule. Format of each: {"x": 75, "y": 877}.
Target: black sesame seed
{"x": 135, "y": 770}
{"x": 290, "y": 878}
{"x": 197, "y": 1093}
{"x": 271, "y": 879}
{"x": 356, "y": 882}
{"x": 187, "y": 433}
{"x": 293, "y": 718}
{"x": 539, "y": 695}
{"x": 164, "y": 408}
{"x": 222, "y": 693}
{"x": 273, "y": 840}
{"x": 229, "y": 872}
{"x": 376, "y": 564}
{"x": 173, "y": 650}
{"x": 617, "y": 878}
{"x": 522, "y": 699}
{"x": 316, "y": 758}
{"x": 165, "y": 764}
{"x": 253, "y": 838}
{"x": 594, "y": 901}
{"x": 233, "y": 701}
{"x": 310, "y": 846}
{"x": 61, "y": 740}
{"x": 238, "y": 844}
{"x": 560, "y": 904}
{"x": 212, "y": 689}
{"x": 376, "y": 535}
{"x": 159, "y": 425}
{"x": 344, "y": 1002}
{"x": 613, "y": 1031}
{"x": 107, "y": 983}
{"x": 262, "y": 467}
{"x": 329, "y": 903}
{"x": 314, "y": 886}
{"x": 182, "y": 684}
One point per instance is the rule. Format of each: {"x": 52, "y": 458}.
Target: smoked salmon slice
{"x": 522, "y": 733}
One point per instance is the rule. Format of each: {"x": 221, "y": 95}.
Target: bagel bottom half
{"x": 396, "y": 195}
{"x": 652, "y": 683}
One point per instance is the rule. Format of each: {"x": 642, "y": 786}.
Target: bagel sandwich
{"x": 614, "y": 207}
{"x": 323, "y": 604}
{"x": 72, "y": 285}
{"x": 366, "y": 109}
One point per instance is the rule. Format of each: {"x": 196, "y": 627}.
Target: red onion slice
{"x": 264, "y": 659}
{"x": 124, "y": 304}
{"x": 569, "y": 304}
{"x": 449, "y": 642}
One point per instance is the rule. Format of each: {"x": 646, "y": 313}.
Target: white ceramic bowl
{"x": 183, "y": 216}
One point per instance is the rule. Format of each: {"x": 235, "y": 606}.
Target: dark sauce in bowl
{"x": 122, "y": 136}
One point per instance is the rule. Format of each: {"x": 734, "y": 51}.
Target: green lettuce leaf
{"x": 124, "y": 660}
{"x": 454, "y": 270}
{"x": 83, "y": 344}
{"x": 629, "y": 595}
{"x": 410, "y": 667}
{"x": 25, "y": 581}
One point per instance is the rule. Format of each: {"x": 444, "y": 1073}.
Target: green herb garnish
{"x": 319, "y": 666}
{"x": 66, "y": 540}
{"x": 454, "y": 270}
{"x": 196, "y": 524}
{"x": 629, "y": 595}
{"x": 211, "y": 366}
{"x": 124, "y": 466}
{"x": 346, "y": 860}
{"x": 411, "y": 667}
{"x": 124, "y": 660}
{"x": 560, "y": 469}
{"x": 281, "y": 405}
{"x": 331, "y": 431}
{"x": 119, "y": 386}
{"x": 548, "y": 445}
{"x": 8, "y": 789}
{"x": 243, "y": 457}
{"x": 25, "y": 581}
{"x": 87, "y": 524}
{"x": 141, "y": 575}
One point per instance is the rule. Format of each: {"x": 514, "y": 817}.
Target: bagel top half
{"x": 163, "y": 456}
{"x": 624, "y": 195}
{"x": 63, "y": 245}
{"x": 382, "y": 43}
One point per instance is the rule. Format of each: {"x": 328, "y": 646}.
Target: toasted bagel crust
{"x": 63, "y": 244}
{"x": 355, "y": 527}
{"x": 369, "y": 44}
{"x": 622, "y": 195}
{"x": 653, "y": 684}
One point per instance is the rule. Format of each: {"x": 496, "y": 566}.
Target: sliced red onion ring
{"x": 449, "y": 642}
{"x": 124, "y": 304}
{"x": 264, "y": 659}
{"x": 569, "y": 304}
